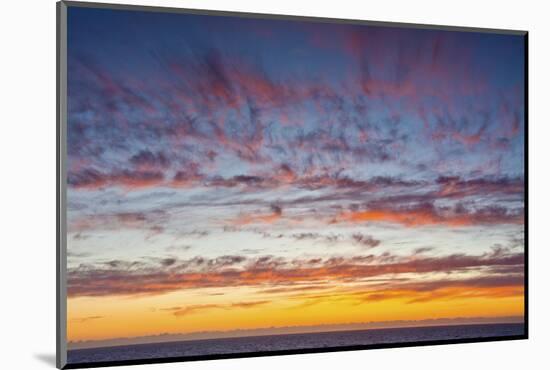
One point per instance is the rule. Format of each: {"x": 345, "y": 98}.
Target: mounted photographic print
{"x": 234, "y": 185}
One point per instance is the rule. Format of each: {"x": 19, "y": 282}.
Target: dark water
{"x": 291, "y": 342}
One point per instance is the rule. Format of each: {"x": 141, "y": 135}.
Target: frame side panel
{"x": 61, "y": 252}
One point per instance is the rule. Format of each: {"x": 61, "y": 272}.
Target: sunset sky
{"x": 228, "y": 173}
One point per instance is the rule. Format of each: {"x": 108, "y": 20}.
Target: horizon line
{"x": 288, "y": 330}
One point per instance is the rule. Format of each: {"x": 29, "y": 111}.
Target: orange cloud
{"x": 118, "y": 278}
{"x": 426, "y": 215}
{"x": 189, "y": 310}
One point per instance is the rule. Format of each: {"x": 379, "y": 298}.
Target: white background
{"x": 27, "y": 172}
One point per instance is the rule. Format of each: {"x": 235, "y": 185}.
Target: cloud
{"x": 150, "y": 221}
{"x": 166, "y": 262}
{"x": 277, "y": 209}
{"x": 326, "y": 238}
{"x": 224, "y": 261}
{"x": 427, "y": 214}
{"x": 365, "y": 240}
{"x": 147, "y": 160}
{"x": 194, "y": 309}
{"x": 249, "y": 304}
{"x": 187, "y": 177}
{"x": 293, "y": 289}
{"x": 259, "y": 218}
{"x": 128, "y": 179}
{"x": 83, "y": 320}
{"x": 136, "y": 179}
{"x": 422, "y": 250}
{"x": 130, "y": 278}
{"x": 87, "y": 178}
{"x": 195, "y": 233}
{"x": 189, "y": 310}
{"x": 455, "y": 187}
{"x": 306, "y": 236}
{"x": 356, "y": 238}
{"x": 239, "y": 180}
{"x": 484, "y": 287}
{"x": 411, "y": 292}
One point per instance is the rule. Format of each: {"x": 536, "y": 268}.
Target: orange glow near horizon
{"x": 94, "y": 318}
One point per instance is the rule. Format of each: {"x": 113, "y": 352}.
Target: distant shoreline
{"x": 292, "y": 330}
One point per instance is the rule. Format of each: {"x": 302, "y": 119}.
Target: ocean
{"x": 290, "y": 342}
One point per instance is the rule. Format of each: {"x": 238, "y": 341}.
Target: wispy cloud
{"x": 86, "y": 319}
{"x": 194, "y": 309}
{"x": 127, "y": 278}
{"x": 427, "y": 214}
